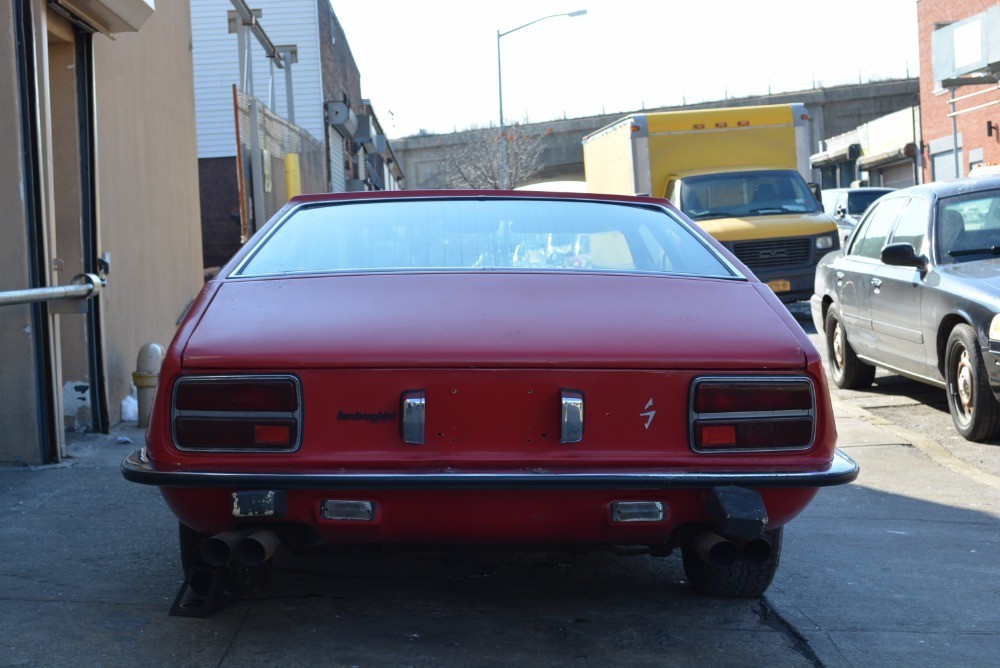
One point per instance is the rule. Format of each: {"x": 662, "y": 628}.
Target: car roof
{"x": 936, "y": 189}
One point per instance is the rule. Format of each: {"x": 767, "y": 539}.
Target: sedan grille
{"x": 772, "y": 253}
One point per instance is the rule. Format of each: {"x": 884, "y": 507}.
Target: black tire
{"x": 974, "y": 409}
{"x": 737, "y": 580}
{"x": 846, "y": 370}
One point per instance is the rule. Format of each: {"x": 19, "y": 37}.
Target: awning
{"x": 846, "y": 154}
{"x": 869, "y": 162}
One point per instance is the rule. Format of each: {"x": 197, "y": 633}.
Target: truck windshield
{"x": 740, "y": 194}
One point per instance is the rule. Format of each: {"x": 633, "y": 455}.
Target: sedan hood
{"x": 492, "y": 319}
{"x": 986, "y": 272}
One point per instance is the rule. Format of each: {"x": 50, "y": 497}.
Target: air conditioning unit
{"x": 108, "y": 16}
{"x": 342, "y": 119}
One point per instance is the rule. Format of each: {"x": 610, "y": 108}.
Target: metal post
{"x": 954, "y": 135}
{"x": 256, "y": 169}
{"x": 503, "y": 133}
{"x": 289, "y": 55}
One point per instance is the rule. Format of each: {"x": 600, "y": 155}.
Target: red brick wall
{"x": 934, "y": 109}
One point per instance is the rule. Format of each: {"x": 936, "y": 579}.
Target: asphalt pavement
{"x": 900, "y": 568}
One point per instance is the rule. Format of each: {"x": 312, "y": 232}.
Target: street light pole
{"x": 503, "y": 131}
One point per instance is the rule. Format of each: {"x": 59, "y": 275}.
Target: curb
{"x": 935, "y": 451}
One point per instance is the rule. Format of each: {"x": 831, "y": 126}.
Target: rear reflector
{"x": 737, "y": 414}
{"x": 242, "y": 413}
{"x": 234, "y": 433}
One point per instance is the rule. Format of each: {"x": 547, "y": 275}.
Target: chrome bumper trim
{"x": 842, "y": 470}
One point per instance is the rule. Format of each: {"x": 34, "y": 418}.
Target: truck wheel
{"x": 847, "y": 371}
{"x": 974, "y": 409}
{"x": 740, "y": 579}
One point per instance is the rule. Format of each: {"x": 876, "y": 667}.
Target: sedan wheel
{"x": 847, "y": 371}
{"x": 973, "y": 407}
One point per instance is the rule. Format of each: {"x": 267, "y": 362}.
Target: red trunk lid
{"x": 491, "y": 320}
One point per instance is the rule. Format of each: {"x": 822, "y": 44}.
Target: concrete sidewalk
{"x": 901, "y": 568}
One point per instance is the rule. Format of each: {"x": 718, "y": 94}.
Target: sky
{"x": 432, "y": 65}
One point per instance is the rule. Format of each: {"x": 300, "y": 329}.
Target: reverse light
{"x": 738, "y": 414}
{"x": 237, "y": 413}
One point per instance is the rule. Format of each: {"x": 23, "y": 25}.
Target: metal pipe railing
{"x": 83, "y": 286}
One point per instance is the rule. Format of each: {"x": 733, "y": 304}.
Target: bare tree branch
{"x": 475, "y": 162}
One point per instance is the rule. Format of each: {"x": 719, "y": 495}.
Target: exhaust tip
{"x": 756, "y": 551}
{"x": 715, "y": 550}
{"x": 256, "y": 548}
{"x": 217, "y": 551}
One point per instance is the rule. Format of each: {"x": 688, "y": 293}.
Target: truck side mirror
{"x": 816, "y": 191}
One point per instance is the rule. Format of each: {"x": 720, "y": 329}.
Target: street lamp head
{"x": 579, "y": 12}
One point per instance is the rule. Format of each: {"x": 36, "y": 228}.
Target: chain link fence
{"x": 275, "y": 161}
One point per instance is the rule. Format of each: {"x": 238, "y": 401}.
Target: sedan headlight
{"x": 995, "y": 328}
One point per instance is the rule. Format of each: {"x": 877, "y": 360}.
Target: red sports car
{"x": 434, "y": 368}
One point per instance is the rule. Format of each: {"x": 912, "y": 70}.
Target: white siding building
{"x": 217, "y": 68}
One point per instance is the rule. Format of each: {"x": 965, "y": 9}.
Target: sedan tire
{"x": 848, "y": 372}
{"x": 973, "y": 407}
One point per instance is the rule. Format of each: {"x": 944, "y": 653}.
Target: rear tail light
{"x": 244, "y": 413}
{"x": 739, "y": 414}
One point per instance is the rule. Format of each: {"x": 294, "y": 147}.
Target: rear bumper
{"x": 529, "y": 507}
{"x": 136, "y": 468}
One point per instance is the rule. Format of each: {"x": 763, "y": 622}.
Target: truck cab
{"x": 737, "y": 206}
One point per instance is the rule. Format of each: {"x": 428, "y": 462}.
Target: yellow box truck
{"x": 739, "y": 172}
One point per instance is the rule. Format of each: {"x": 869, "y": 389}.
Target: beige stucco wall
{"x": 19, "y": 438}
{"x": 147, "y": 182}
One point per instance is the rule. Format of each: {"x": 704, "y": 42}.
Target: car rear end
{"x": 600, "y": 404}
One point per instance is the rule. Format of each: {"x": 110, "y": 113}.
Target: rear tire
{"x": 737, "y": 580}
{"x": 974, "y": 409}
{"x": 847, "y": 371}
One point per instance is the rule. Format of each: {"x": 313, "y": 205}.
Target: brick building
{"x": 960, "y": 58}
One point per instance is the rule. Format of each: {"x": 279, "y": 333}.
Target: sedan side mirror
{"x": 903, "y": 255}
{"x": 840, "y": 212}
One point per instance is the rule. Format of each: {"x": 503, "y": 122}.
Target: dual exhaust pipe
{"x": 250, "y": 548}
{"x": 716, "y": 550}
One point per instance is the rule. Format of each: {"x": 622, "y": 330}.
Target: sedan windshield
{"x": 969, "y": 226}
{"x": 739, "y": 194}
{"x": 482, "y": 234}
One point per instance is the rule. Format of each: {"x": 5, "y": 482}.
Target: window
{"x": 912, "y": 225}
{"x": 968, "y": 226}
{"x": 482, "y": 234}
{"x": 868, "y": 242}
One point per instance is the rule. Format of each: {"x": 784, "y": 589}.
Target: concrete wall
{"x": 147, "y": 183}
{"x": 19, "y": 427}
{"x": 834, "y": 111}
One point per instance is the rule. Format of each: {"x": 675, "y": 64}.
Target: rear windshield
{"x": 483, "y": 234}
